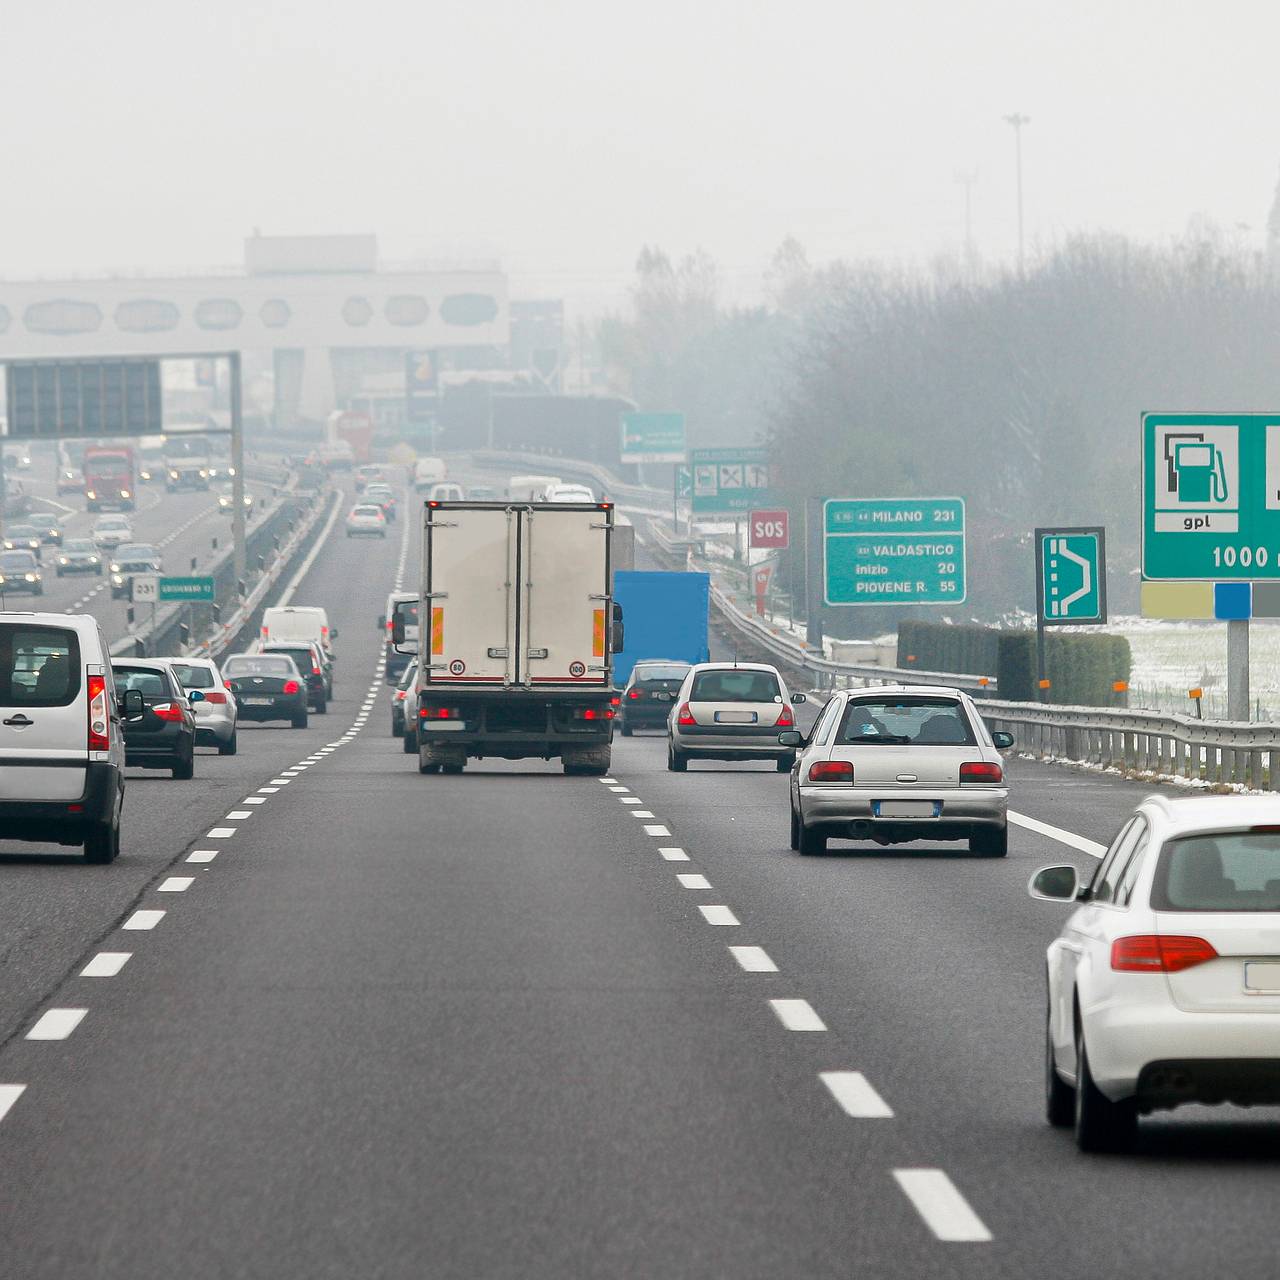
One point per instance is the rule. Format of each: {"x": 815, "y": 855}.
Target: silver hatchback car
{"x": 899, "y": 763}
{"x": 730, "y": 711}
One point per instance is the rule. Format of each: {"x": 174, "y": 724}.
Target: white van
{"x": 446, "y": 491}
{"x": 299, "y": 622}
{"x": 61, "y": 737}
{"x": 428, "y": 471}
{"x": 529, "y": 488}
{"x": 397, "y": 662}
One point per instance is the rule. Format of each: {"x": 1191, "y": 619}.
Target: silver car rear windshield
{"x": 735, "y": 686}
{"x": 193, "y": 677}
{"x": 39, "y": 666}
{"x": 917, "y": 722}
{"x": 1227, "y": 871}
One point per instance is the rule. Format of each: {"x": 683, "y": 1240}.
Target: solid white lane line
{"x": 754, "y": 959}
{"x": 797, "y": 1015}
{"x": 945, "y": 1211}
{"x": 718, "y": 915}
{"x": 9, "y": 1094}
{"x": 238, "y": 815}
{"x": 656, "y": 831}
{"x": 56, "y": 1024}
{"x": 853, "y": 1091}
{"x": 640, "y": 813}
{"x": 1069, "y": 838}
{"x": 254, "y": 800}
{"x": 176, "y": 884}
{"x": 202, "y": 855}
{"x": 690, "y": 880}
{"x": 674, "y": 855}
{"x": 106, "y": 964}
{"x": 143, "y": 920}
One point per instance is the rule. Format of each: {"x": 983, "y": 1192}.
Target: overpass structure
{"x": 319, "y": 309}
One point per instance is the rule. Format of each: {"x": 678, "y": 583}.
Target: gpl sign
{"x": 770, "y": 530}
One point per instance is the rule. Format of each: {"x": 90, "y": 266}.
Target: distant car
{"x": 78, "y": 555}
{"x": 20, "y": 458}
{"x": 446, "y": 491}
{"x": 46, "y": 523}
{"x": 730, "y": 711}
{"x": 648, "y": 694}
{"x": 1164, "y": 983}
{"x": 267, "y": 686}
{"x": 163, "y": 736}
{"x": 227, "y": 499}
{"x": 428, "y": 471}
{"x": 402, "y": 701}
{"x": 23, "y": 537}
{"x": 69, "y": 481}
{"x": 366, "y": 520}
{"x": 20, "y": 571}
{"x": 384, "y": 496}
{"x": 112, "y": 531}
{"x": 315, "y": 667}
{"x": 216, "y": 713}
{"x": 370, "y": 473}
{"x": 566, "y": 492}
{"x": 899, "y": 763}
{"x": 482, "y": 493}
{"x": 130, "y": 559}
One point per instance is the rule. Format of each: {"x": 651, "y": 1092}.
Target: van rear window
{"x": 39, "y": 666}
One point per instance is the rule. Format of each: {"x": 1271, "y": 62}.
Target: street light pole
{"x": 966, "y": 178}
{"x": 1017, "y": 120}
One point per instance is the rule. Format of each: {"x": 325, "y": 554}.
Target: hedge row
{"x": 1082, "y": 668}
{"x": 938, "y": 646}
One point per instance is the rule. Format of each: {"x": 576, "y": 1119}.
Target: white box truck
{"x": 517, "y": 634}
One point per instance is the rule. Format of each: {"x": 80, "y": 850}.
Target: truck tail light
{"x": 786, "y": 718}
{"x": 831, "y": 771}
{"x": 292, "y": 686}
{"x": 440, "y": 713}
{"x": 99, "y": 715}
{"x": 685, "y": 716}
{"x": 1159, "y": 953}
{"x": 980, "y": 773}
{"x": 594, "y": 713}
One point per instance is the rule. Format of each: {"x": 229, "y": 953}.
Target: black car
{"x": 309, "y": 660}
{"x": 647, "y": 698}
{"x": 46, "y": 523}
{"x": 163, "y": 734}
{"x": 20, "y": 571}
{"x": 268, "y": 686}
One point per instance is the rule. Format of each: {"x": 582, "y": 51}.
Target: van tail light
{"x": 831, "y": 771}
{"x": 215, "y": 697}
{"x": 292, "y": 686}
{"x": 266, "y": 633}
{"x": 685, "y": 716}
{"x": 786, "y": 718}
{"x": 1159, "y": 953}
{"x": 170, "y": 711}
{"x": 980, "y": 773}
{"x": 99, "y": 715}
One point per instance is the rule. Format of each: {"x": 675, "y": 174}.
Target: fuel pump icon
{"x": 1199, "y": 473}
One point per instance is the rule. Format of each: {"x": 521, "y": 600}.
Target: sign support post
{"x": 237, "y": 461}
{"x": 1071, "y": 585}
{"x": 1238, "y": 696}
{"x": 813, "y": 594}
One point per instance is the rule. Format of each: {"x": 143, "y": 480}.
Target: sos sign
{"x": 770, "y": 529}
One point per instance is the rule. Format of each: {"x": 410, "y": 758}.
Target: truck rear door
{"x": 467, "y": 620}
{"x": 564, "y": 595}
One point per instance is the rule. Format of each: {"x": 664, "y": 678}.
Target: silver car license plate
{"x": 735, "y": 717}
{"x": 906, "y": 808}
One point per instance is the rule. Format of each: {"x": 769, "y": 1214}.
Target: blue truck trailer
{"x": 666, "y": 616}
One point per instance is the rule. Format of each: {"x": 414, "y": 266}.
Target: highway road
{"x": 326, "y": 1017}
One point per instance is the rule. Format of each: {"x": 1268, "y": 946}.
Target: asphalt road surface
{"x": 512, "y": 1024}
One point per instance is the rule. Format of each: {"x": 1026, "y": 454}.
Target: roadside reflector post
{"x": 1195, "y": 695}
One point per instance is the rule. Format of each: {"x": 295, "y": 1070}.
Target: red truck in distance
{"x": 110, "y": 478}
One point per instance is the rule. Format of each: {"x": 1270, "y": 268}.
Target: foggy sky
{"x": 559, "y": 136}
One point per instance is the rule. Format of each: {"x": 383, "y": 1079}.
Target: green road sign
{"x": 653, "y": 437}
{"x": 684, "y": 482}
{"x": 186, "y": 589}
{"x": 1211, "y": 496}
{"x": 730, "y": 480}
{"x": 1071, "y": 576}
{"x": 893, "y": 551}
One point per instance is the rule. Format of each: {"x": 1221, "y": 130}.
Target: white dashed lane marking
{"x": 945, "y": 1211}
{"x": 656, "y": 831}
{"x": 797, "y": 1015}
{"x": 56, "y": 1024}
{"x": 853, "y": 1091}
{"x": 175, "y": 884}
{"x": 9, "y": 1094}
{"x": 674, "y": 855}
{"x": 106, "y": 964}
{"x": 718, "y": 915}
{"x": 202, "y": 855}
{"x": 143, "y": 920}
{"x": 692, "y": 881}
{"x": 640, "y": 813}
{"x": 754, "y": 959}
{"x": 254, "y": 800}
{"x": 238, "y": 815}
{"x": 220, "y": 833}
